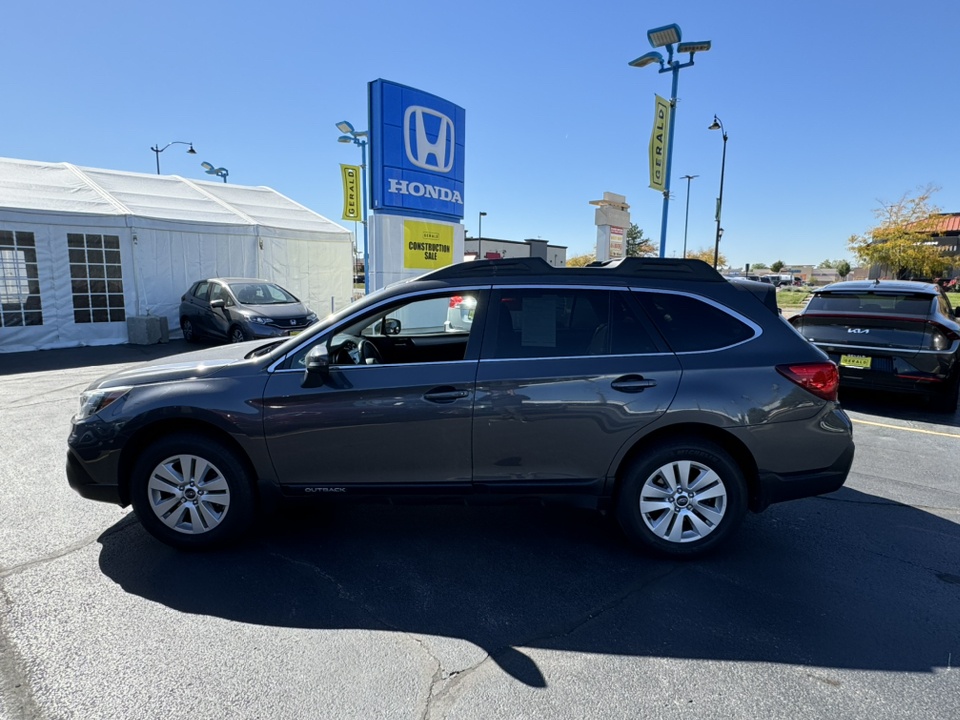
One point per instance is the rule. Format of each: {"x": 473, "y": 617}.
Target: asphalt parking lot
{"x": 844, "y": 606}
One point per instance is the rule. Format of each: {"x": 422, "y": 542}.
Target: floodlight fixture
{"x": 191, "y": 151}
{"x": 666, "y": 35}
{"x": 345, "y": 139}
{"x": 693, "y": 47}
{"x": 716, "y": 124}
{"x": 344, "y": 127}
{"x": 644, "y": 60}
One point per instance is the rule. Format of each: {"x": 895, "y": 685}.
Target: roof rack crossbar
{"x": 653, "y": 268}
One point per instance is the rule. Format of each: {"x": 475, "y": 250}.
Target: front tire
{"x": 683, "y": 499}
{"x": 192, "y": 492}
{"x": 237, "y": 335}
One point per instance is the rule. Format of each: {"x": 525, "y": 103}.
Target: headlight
{"x": 93, "y": 401}
{"x": 311, "y": 318}
{"x": 258, "y": 319}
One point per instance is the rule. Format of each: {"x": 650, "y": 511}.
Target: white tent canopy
{"x": 82, "y": 249}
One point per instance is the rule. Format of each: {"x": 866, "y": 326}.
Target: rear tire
{"x": 189, "y": 333}
{"x": 683, "y": 499}
{"x": 192, "y": 492}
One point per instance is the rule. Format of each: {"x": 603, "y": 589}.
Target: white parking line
{"x": 908, "y": 429}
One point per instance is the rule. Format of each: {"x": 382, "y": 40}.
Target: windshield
{"x": 260, "y": 293}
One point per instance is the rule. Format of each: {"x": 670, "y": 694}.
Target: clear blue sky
{"x": 829, "y": 106}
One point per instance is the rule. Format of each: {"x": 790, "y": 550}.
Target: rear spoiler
{"x": 765, "y": 292}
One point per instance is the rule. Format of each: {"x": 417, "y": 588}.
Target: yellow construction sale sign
{"x": 427, "y": 246}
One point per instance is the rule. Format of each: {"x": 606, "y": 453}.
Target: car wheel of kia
{"x": 192, "y": 492}
{"x": 683, "y": 499}
{"x": 189, "y": 334}
{"x": 237, "y": 335}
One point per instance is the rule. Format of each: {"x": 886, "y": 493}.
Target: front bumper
{"x": 81, "y": 481}
{"x": 780, "y": 487}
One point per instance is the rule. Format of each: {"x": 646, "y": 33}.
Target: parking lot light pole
{"x": 717, "y": 125}
{"x": 480, "y": 230}
{"x": 686, "y": 219}
{"x": 157, "y": 149}
{"x": 359, "y": 138}
{"x": 667, "y": 36}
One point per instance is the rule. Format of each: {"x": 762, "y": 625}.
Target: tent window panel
{"x": 19, "y": 284}
{"x": 94, "y": 259}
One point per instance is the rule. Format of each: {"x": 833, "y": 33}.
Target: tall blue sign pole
{"x": 675, "y": 69}
{"x": 667, "y": 36}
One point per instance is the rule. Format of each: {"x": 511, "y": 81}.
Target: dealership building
{"x": 494, "y": 249}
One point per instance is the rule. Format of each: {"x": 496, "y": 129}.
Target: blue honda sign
{"x": 416, "y": 152}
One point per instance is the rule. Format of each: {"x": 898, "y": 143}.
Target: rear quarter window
{"x": 691, "y": 325}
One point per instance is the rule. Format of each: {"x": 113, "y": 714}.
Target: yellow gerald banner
{"x": 659, "y": 140}
{"x": 351, "y": 192}
{"x": 427, "y": 246}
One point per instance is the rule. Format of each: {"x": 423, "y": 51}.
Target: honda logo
{"x": 421, "y": 152}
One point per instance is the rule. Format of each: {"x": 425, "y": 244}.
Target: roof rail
{"x": 473, "y": 268}
{"x": 653, "y": 268}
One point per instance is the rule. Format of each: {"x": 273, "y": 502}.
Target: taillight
{"x": 455, "y": 301}
{"x": 821, "y": 379}
{"x": 942, "y": 337}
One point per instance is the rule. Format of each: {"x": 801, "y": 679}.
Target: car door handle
{"x": 445, "y": 395}
{"x": 632, "y": 384}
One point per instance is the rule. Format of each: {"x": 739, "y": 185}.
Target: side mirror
{"x": 217, "y": 304}
{"x": 391, "y": 326}
{"x": 317, "y": 361}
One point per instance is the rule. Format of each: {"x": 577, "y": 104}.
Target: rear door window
{"x": 202, "y": 291}
{"x": 692, "y": 325}
{"x": 564, "y": 322}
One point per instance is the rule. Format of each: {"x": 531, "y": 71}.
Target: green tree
{"x": 637, "y": 244}
{"x": 706, "y": 254}
{"x": 581, "y": 260}
{"x": 843, "y": 269}
{"x": 829, "y": 264}
{"x": 901, "y": 238}
{"x": 777, "y": 266}
{"x": 759, "y": 266}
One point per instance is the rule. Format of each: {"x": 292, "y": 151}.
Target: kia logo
{"x": 423, "y": 150}
{"x": 858, "y": 330}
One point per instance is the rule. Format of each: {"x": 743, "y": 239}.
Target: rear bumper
{"x": 780, "y": 487}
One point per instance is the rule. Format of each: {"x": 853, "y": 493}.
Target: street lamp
{"x": 480, "y": 221}
{"x": 717, "y": 125}
{"x": 157, "y": 149}
{"x": 667, "y": 36}
{"x": 359, "y": 138}
{"x": 686, "y": 219}
{"x": 220, "y": 172}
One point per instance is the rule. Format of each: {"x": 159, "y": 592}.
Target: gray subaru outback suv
{"x": 651, "y": 388}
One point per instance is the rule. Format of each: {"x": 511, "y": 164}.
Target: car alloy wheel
{"x": 682, "y": 498}
{"x": 191, "y": 491}
{"x": 683, "y": 501}
{"x": 188, "y": 494}
{"x": 237, "y": 335}
{"x": 188, "y": 333}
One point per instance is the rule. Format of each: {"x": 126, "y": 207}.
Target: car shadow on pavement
{"x": 849, "y": 580}
{"x": 81, "y": 357}
{"x": 900, "y": 406}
